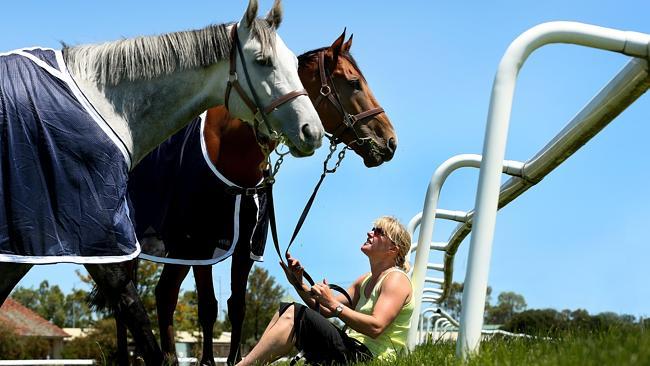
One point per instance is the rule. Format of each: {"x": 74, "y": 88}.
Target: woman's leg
{"x": 275, "y": 318}
{"x": 276, "y": 341}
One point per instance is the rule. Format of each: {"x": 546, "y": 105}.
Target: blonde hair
{"x": 398, "y": 234}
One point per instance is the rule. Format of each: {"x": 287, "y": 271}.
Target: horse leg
{"x": 122, "y": 342}
{"x": 240, "y": 268}
{"x": 10, "y": 275}
{"x": 207, "y": 310}
{"x": 120, "y": 326}
{"x": 167, "y": 291}
{"x": 114, "y": 280}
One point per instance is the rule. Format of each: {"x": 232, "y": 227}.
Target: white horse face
{"x": 273, "y": 72}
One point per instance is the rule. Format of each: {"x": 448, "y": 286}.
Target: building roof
{"x": 26, "y": 322}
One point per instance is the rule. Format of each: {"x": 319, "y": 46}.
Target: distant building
{"x": 77, "y": 333}
{"x": 27, "y": 323}
{"x": 186, "y": 342}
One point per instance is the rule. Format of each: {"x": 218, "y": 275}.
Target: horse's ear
{"x": 251, "y": 13}
{"x": 347, "y": 45}
{"x": 336, "y": 48}
{"x": 274, "y": 17}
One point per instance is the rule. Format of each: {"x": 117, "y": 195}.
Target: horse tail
{"x": 99, "y": 302}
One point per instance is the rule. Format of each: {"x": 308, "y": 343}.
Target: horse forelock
{"x": 310, "y": 56}
{"x": 265, "y": 35}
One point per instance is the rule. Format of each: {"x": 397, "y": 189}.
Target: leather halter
{"x": 260, "y": 114}
{"x": 328, "y": 90}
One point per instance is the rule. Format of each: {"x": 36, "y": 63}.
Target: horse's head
{"x": 346, "y": 104}
{"x": 267, "y": 75}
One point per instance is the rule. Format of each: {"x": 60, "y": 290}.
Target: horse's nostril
{"x": 310, "y": 133}
{"x": 392, "y": 145}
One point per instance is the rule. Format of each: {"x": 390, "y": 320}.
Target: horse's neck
{"x": 232, "y": 148}
{"x": 143, "y": 113}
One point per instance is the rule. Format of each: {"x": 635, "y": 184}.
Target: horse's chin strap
{"x": 328, "y": 90}
{"x": 259, "y": 114}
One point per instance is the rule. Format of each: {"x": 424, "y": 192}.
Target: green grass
{"x": 616, "y": 347}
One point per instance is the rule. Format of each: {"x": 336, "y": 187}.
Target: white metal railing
{"x": 425, "y": 220}
{"x": 445, "y": 323}
{"x": 46, "y": 362}
{"x": 630, "y": 83}
{"x": 602, "y": 109}
{"x": 192, "y": 360}
{"x": 217, "y": 360}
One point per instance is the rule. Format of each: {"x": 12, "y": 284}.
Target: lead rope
{"x": 268, "y": 178}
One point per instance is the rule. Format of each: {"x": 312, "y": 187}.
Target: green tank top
{"x": 392, "y": 341}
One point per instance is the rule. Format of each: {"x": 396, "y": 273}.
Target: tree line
{"x": 72, "y": 311}
{"x": 511, "y": 313}
{"x": 262, "y": 300}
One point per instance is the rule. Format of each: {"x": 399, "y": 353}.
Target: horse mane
{"x": 151, "y": 56}
{"x": 306, "y": 57}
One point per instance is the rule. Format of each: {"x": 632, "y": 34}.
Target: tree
{"x": 263, "y": 297}
{"x": 186, "y": 316}
{"x": 580, "y": 319}
{"x": 52, "y": 303}
{"x": 14, "y": 347}
{"x": 147, "y": 278}
{"x": 452, "y": 303}
{"x": 537, "y": 322}
{"x": 77, "y": 311}
{"x": 99, "y": 344}
{"x": 46, "y": 301}
{"x": 552, "y": 322}
{"x": 28, "y": 297}
{"x": 508, "y": 304}
{"x": 148, "y": 275}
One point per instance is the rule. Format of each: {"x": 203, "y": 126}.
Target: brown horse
{"x": 349, "y": 112}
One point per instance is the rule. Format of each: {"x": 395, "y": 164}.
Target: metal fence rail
{"x": 46, "y": 362}
{"x": 627, "y": 86}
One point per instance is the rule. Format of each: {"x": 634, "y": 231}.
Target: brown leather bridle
{"x": 260, "y": 114}
{"x": 328, "y": 90}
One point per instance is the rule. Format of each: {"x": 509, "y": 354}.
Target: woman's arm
{"x": 353, "y": 291}
{"x": 294, "y": 272}
{"x": 395, "y": 291}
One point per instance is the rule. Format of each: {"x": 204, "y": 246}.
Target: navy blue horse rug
{"x": 187, "y": 212}
{"x": 62, "y": 174}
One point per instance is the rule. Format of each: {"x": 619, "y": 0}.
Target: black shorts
{"x": 321, "y": 342}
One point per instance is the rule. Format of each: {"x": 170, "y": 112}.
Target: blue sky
{"x": 576, "y": 240}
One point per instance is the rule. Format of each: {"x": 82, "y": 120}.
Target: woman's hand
{"x": 293, "y": 270}
{"x": 322, "y": 293}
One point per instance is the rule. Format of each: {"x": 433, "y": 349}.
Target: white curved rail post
{"x": 426, "y": 233}
{"x": 427, "y": 220}
{"x": 436, "y": 327}
{"x": 426, "y": 327}
{"x": 473, "y": 302}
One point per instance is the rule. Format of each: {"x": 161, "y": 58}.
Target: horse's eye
{"x": 264, "y": 61}
{"x": 355, "y": 83}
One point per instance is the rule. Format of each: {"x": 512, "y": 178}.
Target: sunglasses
{"x": 377, "y": 231}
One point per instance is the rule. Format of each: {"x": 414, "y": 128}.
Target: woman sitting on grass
{"x": 378, "y": 318}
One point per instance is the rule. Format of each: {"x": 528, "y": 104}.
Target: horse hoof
{"x": 139, "y": 361}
